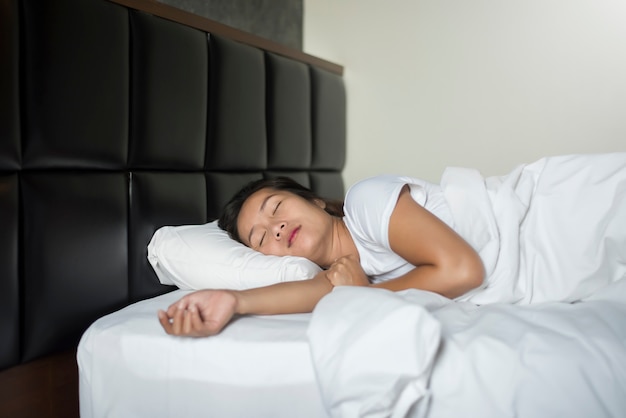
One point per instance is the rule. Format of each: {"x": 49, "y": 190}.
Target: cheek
{"x": 271, "y": 249}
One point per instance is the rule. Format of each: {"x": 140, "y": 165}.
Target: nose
{"x": 278, "y": 229}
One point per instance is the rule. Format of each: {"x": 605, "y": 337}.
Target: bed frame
{"x": 118, "y": 117}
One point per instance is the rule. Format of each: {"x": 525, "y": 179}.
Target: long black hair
{"x": 230, "y": 213}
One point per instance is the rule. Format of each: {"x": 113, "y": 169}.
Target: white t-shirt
{"x": 368, "y": 207}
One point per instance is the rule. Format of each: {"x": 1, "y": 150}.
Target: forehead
{"x": 255, "y": 200}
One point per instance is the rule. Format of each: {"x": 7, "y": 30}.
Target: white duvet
{"x": 551, "y": 230}
{"x": 416, "y": 354}
{"x": 552, "y": 236}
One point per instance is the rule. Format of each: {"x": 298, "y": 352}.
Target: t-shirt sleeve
{"x": 370, "y": 202}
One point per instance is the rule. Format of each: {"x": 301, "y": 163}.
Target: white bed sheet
{"x": 259, "y": 366}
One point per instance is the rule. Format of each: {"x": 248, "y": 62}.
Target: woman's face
{"x": 276, "y": 222}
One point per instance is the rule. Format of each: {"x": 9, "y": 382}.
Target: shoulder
{"x": 372, "y": 186}
{"x": 371, "y": 201}
{"x": 379, "y": 191}
{"x": 368, "y": 207}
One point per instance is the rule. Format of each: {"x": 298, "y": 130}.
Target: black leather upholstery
{"x": 237, "y": 129}
{"x": 288, "y": 114}
{"x": 10, "y": 157}
{"x": 169, "y": 95}
{"x": 9, "y": 274}
{"x": 157, "y": 199}
{"x": 75, "y": 85}
{"x": 116, "y": 122}
{"x": 74, "y": 253}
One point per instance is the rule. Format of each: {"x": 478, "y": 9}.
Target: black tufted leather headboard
{"x": 115, "y": 122}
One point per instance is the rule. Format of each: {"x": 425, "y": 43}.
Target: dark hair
{"x": 230, "y": 213}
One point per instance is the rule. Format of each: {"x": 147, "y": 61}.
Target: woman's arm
{"x": 445, "y": 262}
{"x": 287, "y": 297}
{"x": 206, "y": 312}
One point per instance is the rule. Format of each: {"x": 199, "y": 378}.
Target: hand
{"x": 199, "y": 314}
{"x": 347, "y": 271}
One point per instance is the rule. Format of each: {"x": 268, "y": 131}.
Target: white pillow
{"x": 205, "y": 257}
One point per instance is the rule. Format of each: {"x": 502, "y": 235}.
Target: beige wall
{"x": 478, "y": 83}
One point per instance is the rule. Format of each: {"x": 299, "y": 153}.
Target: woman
{"x": 399, "y": 233}
{"x": 280, "y": 217}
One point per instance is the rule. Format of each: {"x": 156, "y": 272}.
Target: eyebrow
{"x": 260, "y": 210}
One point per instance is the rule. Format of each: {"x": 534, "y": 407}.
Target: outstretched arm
{"x": 206, "y": 312}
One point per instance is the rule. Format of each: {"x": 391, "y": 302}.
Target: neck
{"x": 342, "y": 243}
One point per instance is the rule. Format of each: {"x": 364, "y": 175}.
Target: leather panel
{"x": 288, "y": 114}
{"x": 237, "y": 131}
{"x": 169, "y": 94}
{"x": 159, "y": 199}
{"x": 329, "y": 121}
{"x": 75, "y": 255}
{"x": 301, "y": 177}
{"x": 9, "y": 86}
{"x": 328, "y": 184}
{"x": 9, "y": 286}
{"x": 76, "y": 94}
{"x": 222, "y": 186}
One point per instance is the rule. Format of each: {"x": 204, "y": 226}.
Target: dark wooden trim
{"x": 47, "y": 387}
{"x": 180, "y": 16}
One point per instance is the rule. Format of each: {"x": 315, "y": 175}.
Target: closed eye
{"x": 276, "y": 208}
{"x": 273, "y": 213}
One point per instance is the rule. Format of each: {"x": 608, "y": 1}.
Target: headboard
{"x": 114, "y": 122}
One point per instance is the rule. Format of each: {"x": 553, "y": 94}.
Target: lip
{"x": 292, "y": 236}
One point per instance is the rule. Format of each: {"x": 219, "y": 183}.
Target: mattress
{"x": 259, "y": 366}
{"x": 365, "y": 353}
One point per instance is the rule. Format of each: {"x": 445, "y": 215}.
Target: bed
{"x": 549, "y": 340}
{"x": 128, "y": 117}
{"x": 414, "y": 354}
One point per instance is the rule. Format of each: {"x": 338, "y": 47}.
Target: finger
{"x": 198, "y": 324}
{"x": 177, "y": 322}
{"x": 182, "y": 303}
{"x": 333, "y": 278}
{"x": 186, "y": 324}
{"x": 173, "y": 308}
{"x": 190, "y": 321}
{"x": 164, "y": 319}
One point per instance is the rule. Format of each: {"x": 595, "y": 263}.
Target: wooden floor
{"x": 46, "y": 388}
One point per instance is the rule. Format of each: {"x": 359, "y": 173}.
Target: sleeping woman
{"x": 551, "y": 230}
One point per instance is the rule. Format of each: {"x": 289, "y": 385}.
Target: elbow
{"x": 468, "y": 274}
{"x": 473, "y": 274}
{"x": 476, "y": 275}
